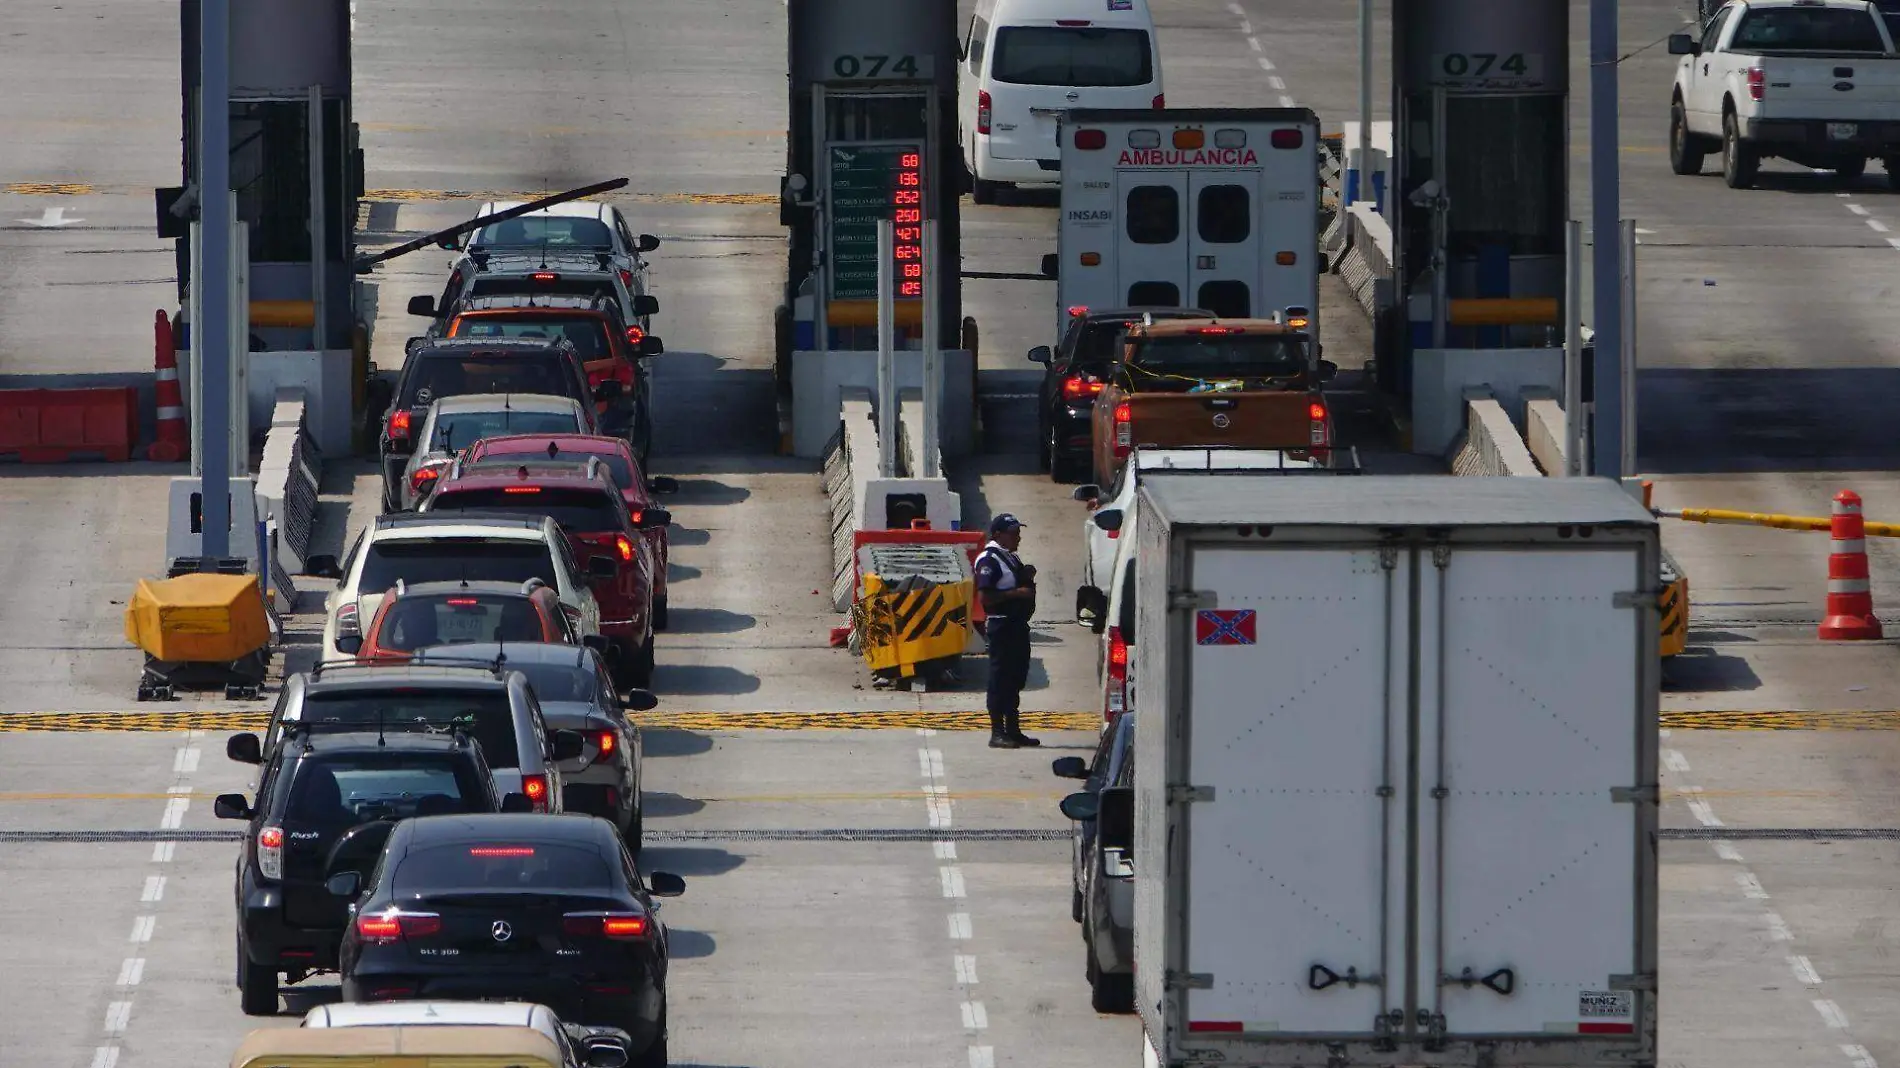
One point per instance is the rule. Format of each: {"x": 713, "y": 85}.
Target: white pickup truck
{"x": 1815, "y": 82}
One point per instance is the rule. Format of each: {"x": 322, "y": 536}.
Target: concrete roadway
{"x": 1775, "y": 950}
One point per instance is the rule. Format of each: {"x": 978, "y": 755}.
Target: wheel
{"x": 640, "y": 669}
{"x": 1075, "y": 905}
{"x": 1685, "y": 153}
{"x": 1892, "y": 165}
{"x": 1741, "y": 162}
{"x": 636, "y": 830}
{"x": 983, "y": 192}
{"x": 257, "y": 985}
{"x": 659, "y": 612}
{"x": 654, "y": 1056}
{"x": 1062, "y": 468}
{"x": 1850, "y": 170}
{"x": 1046, "y": 454}
{"x": 1112, "y": 993}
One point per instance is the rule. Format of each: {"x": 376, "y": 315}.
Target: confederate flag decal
{"x": 1224, "y": 627}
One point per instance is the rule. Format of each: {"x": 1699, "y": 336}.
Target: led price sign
{"x": 870, "y": 183}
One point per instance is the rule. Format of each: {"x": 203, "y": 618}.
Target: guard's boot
{"x": 999, "y": 734}
{"x": 1015, "y": 732}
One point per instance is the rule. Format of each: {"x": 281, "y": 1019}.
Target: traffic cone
{"x": 1850, "y": 601}
{"x": 173, "y": 439}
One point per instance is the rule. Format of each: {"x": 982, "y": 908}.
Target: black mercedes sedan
{"x": 550, "y": 909}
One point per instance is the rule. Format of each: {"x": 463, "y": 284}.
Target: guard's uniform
{"x": 1008, "y": 631}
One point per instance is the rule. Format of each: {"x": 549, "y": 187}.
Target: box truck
{"x": 1395, "y": 787}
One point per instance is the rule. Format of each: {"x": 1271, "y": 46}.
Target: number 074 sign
{"x": 1488, "y": 70}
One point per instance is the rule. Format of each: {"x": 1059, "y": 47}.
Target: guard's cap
{"x": 1004, "y": 521}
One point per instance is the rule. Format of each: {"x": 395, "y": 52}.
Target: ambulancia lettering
{"x": 1200, "y": 157}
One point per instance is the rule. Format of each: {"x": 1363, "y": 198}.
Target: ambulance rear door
{"x": 1223, "y": 242}
{"x": 1152, "y": 246}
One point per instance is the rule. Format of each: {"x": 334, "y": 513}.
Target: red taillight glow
{"x": 270, "y": 852}
{"x": 536, "y": 787}
{"x": 624, "y": 545}
{"x": 1115, "y": 695}
{"x": 1316, "y": 411}
{"x": 505, "y": 851}
{"x": 626, "y": 278}
{"x": 463, "y": 601}
{"x": 386, "y": 927}
{"x": 1287, "y": 139}
{"x": 635, "y": 335}
{"x": 621, "y": 925}
{"x": 1124, "y": 429}
{"x": 426, "y": 474}
{"x": 399, "y": 423}
{"x": 1080, "y": 387}
{"x": 1161, "y": 101}
{"x": 1091, "y": 139}
{"x": 1217, "y": 330}
{"x": 982, "y": 112}
{"x": 521, "y": 489}
{"x": 1321, "y": 430}
{"x": 1077, "y": 311}
{"x": 1757, "y": 83}
{"x": 606, "y": 742}
{"x": 545, "y": 276}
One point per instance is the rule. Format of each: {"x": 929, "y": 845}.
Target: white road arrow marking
{"x": 52, "y": 218}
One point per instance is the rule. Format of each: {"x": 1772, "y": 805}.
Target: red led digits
{"x": 907, "y": 215}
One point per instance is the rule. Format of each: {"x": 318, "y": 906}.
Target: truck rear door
{"x": 1528, "y": 859}
{"x": 1151, "y": 255}
{"x": 1291, "y": 861}
{"x": 1223, "y": 246}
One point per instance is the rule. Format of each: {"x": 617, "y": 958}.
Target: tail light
{"x": 423, "y": 476}
{"x": 1757, "y": 83}
{"x": 348, "y": 620}
{"x": 382, "y": 928}
{"x": 1077, "y": 311}
{"x": 1124, "y": 429}
{"x": 1091, "y": 139}
{"x": 1161, "y": 101}
{"x": 1287, "y": 138}
{"x": 270, "y": 852}
{"x": 626, "y": 278}
{"x": 1080, "y": 387}
{"x": 982, "y": 112}
{"x": 1319, "y": 431}
{"x": 635, "y": 335}
{"x": 536, "y": 787}
{"x": 606, "y": 742}
{"x": 619, "y": 926}
{"x": 1115, "y": 700}
{"x": 399, "y": 425}
{"x": 624, "y": 545}
{"x": 545, "y": 276}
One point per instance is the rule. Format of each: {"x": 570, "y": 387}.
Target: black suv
{"x": 455, "y": 367}
{"x": 326, "y": 801}
{"x": 1072, "y": 376}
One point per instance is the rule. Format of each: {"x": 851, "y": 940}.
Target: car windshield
{"x": 501, "y": 865}
{"x": 435, "y": 377}
{"x": 1096, "y": 347}
{"x": 1217, "y": 356}
{"x": 1072, "y": 56}
{"x": 1808, "y": 29}
{"x": 485, "y": 714}
{"x": 419, "y": 560}
{"x": 550, "y": 230}
{"x": 578, "y": 511}
{"x": 457, "y": 619}
{"x": 354, "y": 788}
{"x": 583, "y": 284}
{"x": 454, "y": 430}
{"x": 560, "y": 682}
{"x": 587, "y": 332}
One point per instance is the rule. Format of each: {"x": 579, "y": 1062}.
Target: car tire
{"x": 636, "y": 830}
{"x": 659, "y": 612}
{"x": 640, "y": 666}
{"x": 1075, "y": 904}
{"x": 1741, "y": 161}
{"x": 654, "y": 1056}
{"x": 257, "y": 985}
{"x": 1685, "y": 153}
{"x": 1062, "y": 469}
{"x": 1850, "y": 170}
{"x": 984, "y": 192}
{"x": 1111, "y": 992}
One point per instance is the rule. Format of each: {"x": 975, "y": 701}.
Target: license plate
{"x": 465, "y": 626}
{"x": 1842, "y": 131}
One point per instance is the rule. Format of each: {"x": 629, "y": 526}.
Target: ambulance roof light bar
{"x": 1230, "y": 139}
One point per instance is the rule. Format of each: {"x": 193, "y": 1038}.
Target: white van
{"x": 1027, "y": 61}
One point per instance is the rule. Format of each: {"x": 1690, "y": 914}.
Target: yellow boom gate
{"x": 912, "y": 614}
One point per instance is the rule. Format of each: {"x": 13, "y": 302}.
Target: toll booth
{"x": 296, "y": 176}
{"x": 1481, "y": 158}
{"x": 871, "y": 135}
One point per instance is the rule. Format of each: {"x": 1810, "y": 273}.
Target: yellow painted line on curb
{"x": 48, "y": 189}
{"x": 1811, "y": 720}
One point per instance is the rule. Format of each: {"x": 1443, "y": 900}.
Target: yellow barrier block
{"x": 905, "y": 313}
{"x": 197, "y": 618}
{"x": 1504, "y": 311}
{"x": 913, "y": 606}
{"x": 285, "y": 313}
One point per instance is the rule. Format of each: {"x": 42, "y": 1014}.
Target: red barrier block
{"x": 57, "y": 425}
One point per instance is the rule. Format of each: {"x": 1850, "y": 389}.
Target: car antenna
{"x": 381, "y": 741}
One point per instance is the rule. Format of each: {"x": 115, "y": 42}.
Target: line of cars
{"x": 448, "y": 805}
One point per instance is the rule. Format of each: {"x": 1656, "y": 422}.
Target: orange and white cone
{"x": 1850, "y": 599}
{"x": 173, "y": 438}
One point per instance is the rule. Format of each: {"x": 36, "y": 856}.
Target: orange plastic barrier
{"x": 44, "y": 426}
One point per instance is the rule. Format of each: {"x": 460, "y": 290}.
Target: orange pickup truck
{"x": 1236, "y": 383}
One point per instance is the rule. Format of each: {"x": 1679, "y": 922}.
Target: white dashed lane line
{"x": 938, "y": 808}
{"x": 1253, "y": 43}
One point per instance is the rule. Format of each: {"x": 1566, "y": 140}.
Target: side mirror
{"x": 567, "y": 745}
{"x": 244, "y": 748}
{"x": 1109, "y": 519}
{"x": 410, "y": 345}
{"x": 648, "y": 243}
{"x": 652, "y": 518}
{"x": 1070, "y": 767}
{"x": 651, "y": 346}
{"x": 1041, "y": 354}
{"x": 1081, "y": 807}
{"x": 1087, "y": 494}
{"x": 602, "y": 567}
{"x": 344, "y": 884}
{"x": 1328, "y": 370}
{"x": 423, "y": 306}
{"x": 231, "y": 806}
{"x": 596, "y": 642}
{"x": 349, "y": 644}
{"x": 641, "y": 701}
{"x": 322, "y": 567}
{"x": 663, "y": 484}
{"x": 665, "y": 884}
{"x": 646, "y": 304}
{"x": 1049, "y": 265}
{"x": 608, "y": 390}
{"x": 1115, "y": 818}
{"x": 1681, "y": 44}
{"x": 450, "y": 243}
{"x": 516, "y": 803}
{"x": 1091, "y": 608}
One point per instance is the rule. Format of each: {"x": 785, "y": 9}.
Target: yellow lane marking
{"x": 1808, "y": 720}
{"x": 48, "y": 189}
{"x": 209, "y": 719}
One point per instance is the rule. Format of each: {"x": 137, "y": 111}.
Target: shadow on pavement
{"x": 705, "y": 680}
{"x": 688, "y": 861}
{"x": 708, "y": 621}
{"x": 673, "y": 742}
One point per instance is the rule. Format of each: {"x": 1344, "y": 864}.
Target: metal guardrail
{"x": 1332, "y": 177}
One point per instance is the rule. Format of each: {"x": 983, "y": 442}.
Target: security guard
{"x": 1008, "y": 588}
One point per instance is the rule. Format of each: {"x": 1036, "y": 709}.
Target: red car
{"x": 587, "y": 504}
{"x": 577, "y": 449}
{"x": 457, "y": 613}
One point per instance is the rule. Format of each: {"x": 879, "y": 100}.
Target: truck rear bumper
{"x": 1814, "y": 137}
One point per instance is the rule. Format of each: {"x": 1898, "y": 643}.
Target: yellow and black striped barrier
{"x": 913, "y": 607}
{"x": 1673, "y": 633}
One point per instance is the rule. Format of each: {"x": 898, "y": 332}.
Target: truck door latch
{"x": 1319, "y": 977}
{"x": 1504, "y": 981}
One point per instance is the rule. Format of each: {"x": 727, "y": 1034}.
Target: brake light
{"x": 1077, "y": 311}
{"x": 982, "y": 112}
{"x": 635, "y": 335}
{"x": 624, "y": 544}
{"x": 502, "y": 851}
{"x": 544, "y": 276}
{"x": 469, "y": 601}
{"x": 348, "y": 621}
{"x": 536, "y": 787}
{"x": 1161, "y": 101}
{"x": 399, "y": 424}
{"x": 1316, "y": 412}
{"x": 1321, "y": 432}
{"x": 270, "y": 852}
{"x": 626, "y": 278}
{"x": 624, "y": 926}
{"x": 1124, "y": 429}
{"x": 392, "y": 926}
{"x": 1080, "y": 387}
{"x": 1757, "y": 83}
{"x": 1115, "y": 698}
{"x": 606, "y": 742}
{"x": 1217, "y": 330}
{"x": 521, "y": 489}
{"x": 1287, "y": 138}
{"x": 1091, "y": 139}
{"x": 1072, "y": 22}
{"x": 426, "y": 474}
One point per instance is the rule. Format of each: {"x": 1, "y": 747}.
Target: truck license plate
{"x": 1842, "y": 131}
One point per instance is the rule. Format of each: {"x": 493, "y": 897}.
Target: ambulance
{"x": 1212, "y": 208}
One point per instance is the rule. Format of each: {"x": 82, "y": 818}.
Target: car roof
{"x": 481, "y": 586}
{"x": 359, "y": 741}
{"x": 1184, "y": 327}
{"x": 1006, "y": 13}
{"x": 485, "y": 476}
{"x": 372, "y": 677}
{"x": 529, "y": 826}
{"x": 521, "y": 259}
{"x": 418, "y": 524}
{"x": 495, "y": 402}
{"x": 571, "y": 209}
{"x": 516, "y": 653}
{"x": 465, "y": 346}
{"x": 523, "y": 444}
{"x": 380, "y": 1013}
{"x": 496, "y": 302}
